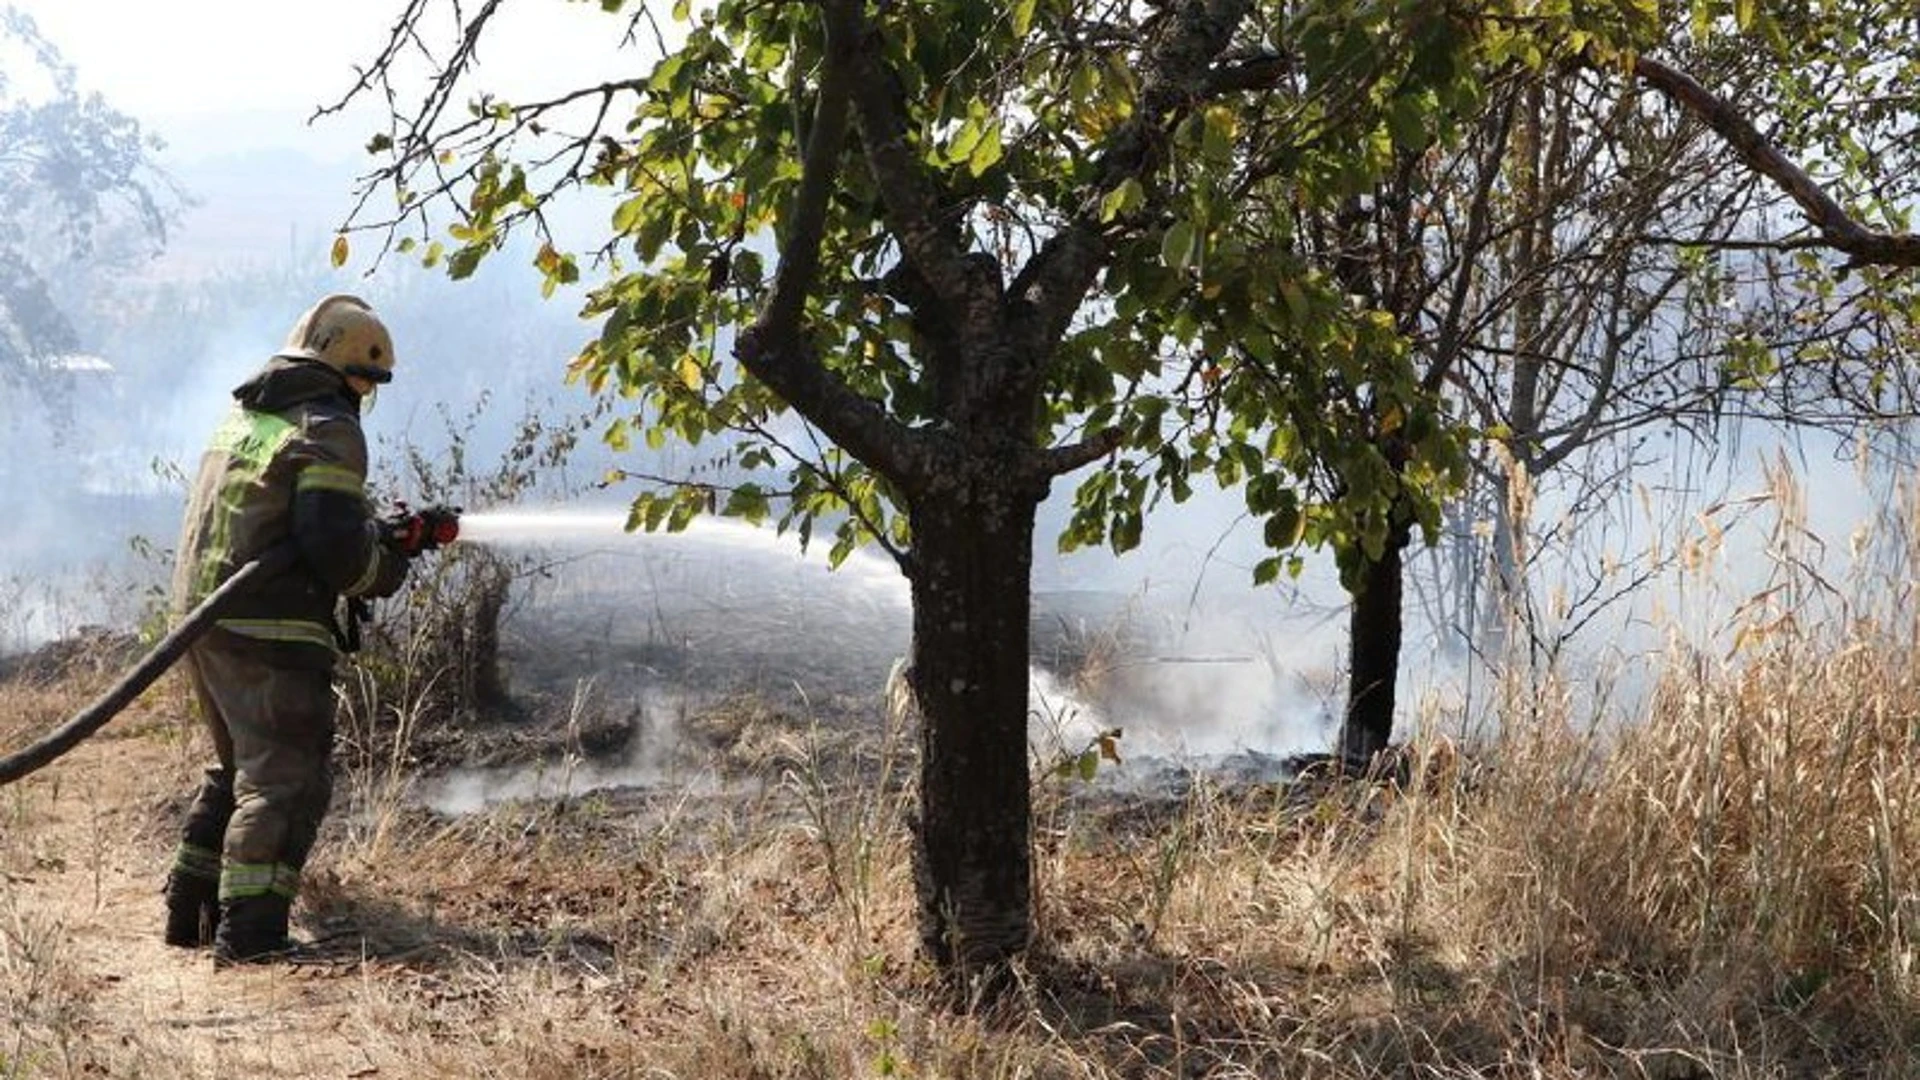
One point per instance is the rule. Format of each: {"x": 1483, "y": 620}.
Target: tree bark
{"x": 1374, "y": 629}
{"x": 971, "y": 576}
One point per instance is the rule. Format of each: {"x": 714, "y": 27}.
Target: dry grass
{"x": 1725, "y": 889}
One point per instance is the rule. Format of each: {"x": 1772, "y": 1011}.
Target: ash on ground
{"x": 700, "y": 657}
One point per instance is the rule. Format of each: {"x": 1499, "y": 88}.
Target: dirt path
{"x": 94, "y": 989}
{"x": 88, "y": 989}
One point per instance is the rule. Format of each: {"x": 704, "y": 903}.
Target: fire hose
{"x": 410, "y": 532}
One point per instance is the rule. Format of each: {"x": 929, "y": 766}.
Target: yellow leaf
{"x": 690, "y": 374}
{"x": 340, "y": 250}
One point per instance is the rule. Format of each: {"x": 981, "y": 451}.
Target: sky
{"x": 219, "y": 76}
{"x": 232, "y": 88}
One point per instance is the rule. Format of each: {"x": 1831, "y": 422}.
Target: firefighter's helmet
{"x": 343, "y": 333}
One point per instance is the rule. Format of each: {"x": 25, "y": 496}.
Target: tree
{"x": 1661, "y": 278}
{"x": 1005, "y": 241}
{"x": 1567, "y": 265}
{"x": 72, "y": 166}
{"x": 1323, "y": 382}
{"x": 941, "y": 187}
{"x": 1673, "y": 289}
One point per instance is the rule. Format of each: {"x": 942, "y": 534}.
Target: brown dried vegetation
{"x": 1724, "y": 889}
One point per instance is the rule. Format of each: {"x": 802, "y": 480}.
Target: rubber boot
{"x": 193, "y": 910}
{"x": 253, "y": 930}
{"x": 193, "y": 885}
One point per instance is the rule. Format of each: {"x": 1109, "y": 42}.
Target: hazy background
{"x": 231, "y": 87}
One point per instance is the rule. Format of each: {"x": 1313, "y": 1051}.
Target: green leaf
{"x": 627, "y": 215}
{"x": 1296, "y": 299}
{"x": 1124, "y": 199}
{"x": 1216, "y": 142}
{"x": 748, "y": 502}
{"x": 1022, "y": 17}
{"x": 986, "y": 153}
{"x": 1407, "y": 123}
{"x": 1180, "y": 246}
{"x": 960, "y": 148}
{"x": 464, "y": 262}
{"x": 689, "y": 373}
{"x": 1702, "y": 21}
{"x": 1287, "y": 524}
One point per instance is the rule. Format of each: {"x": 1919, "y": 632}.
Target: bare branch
{"x": 401, "y": 32}
{"x": 1839, "y": 231}
{"x": 1712, "y": 243}
{"x": 1451, "y": 336}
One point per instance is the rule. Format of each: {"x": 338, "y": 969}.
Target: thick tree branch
{"x": 820, "y": 171}
{"x": 1178, "y": 71}
{"x": 1239, "y": 74}
{"x": 1841, "y": 232}
{"x": 910, "y": 203}
{"x": 776, "y": 349}
{"x": 1060, "y": 460}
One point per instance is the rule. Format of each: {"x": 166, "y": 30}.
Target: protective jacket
{"x": 289, "y": 463}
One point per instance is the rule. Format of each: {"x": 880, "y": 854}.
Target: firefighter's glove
{"x": 392, "y": 571}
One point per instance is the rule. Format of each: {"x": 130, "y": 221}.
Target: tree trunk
{"x": 1374, "y": 630}
{"x": 971, "y": 574}
{"x": 1504, "y": 602}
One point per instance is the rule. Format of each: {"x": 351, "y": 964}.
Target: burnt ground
{"x": 712, "y": 658}
{"x": 629, "y": 662}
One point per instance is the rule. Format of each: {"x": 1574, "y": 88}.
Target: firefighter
{"x": 288, "y": 466}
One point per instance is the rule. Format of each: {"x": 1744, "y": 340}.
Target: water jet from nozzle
{"x": 533, "y": 526}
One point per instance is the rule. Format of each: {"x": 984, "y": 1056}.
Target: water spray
{"x": 525, "y": 526}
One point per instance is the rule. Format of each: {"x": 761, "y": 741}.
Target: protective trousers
{"x": 272, "y": 728}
